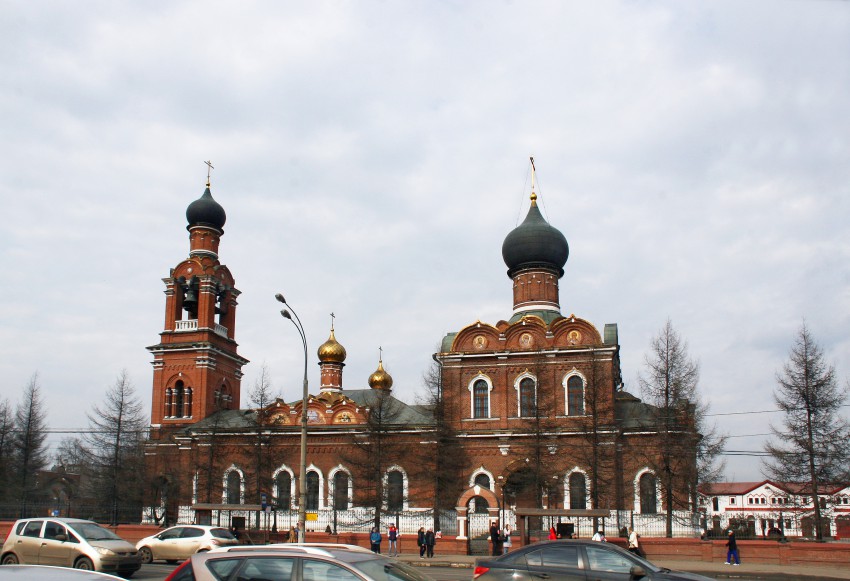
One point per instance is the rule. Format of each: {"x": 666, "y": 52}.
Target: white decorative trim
{"x": 404, "y": 484}
{"x": 636, "y": 484}
{"x": 588, "y": 500}
{"x": 471, "y": 388}
{"x": 482, "y": 470}
{"x": 349, "y": 496}
{"x": 575, "y": 373}
{"x": 276, "y": 491}
{"x": 224, "y": 498}
{"x": 314, "y": 468}
{"x": 517, "y": 381}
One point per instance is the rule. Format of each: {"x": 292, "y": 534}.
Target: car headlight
{"x": 105, "y": 551}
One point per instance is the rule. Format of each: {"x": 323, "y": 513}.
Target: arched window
{"x": 575, "y": 396}
{"x": 480, "y": 399}
{"x": 578, "y": 490}
{"x": 179, "y": 401}
{"x": 527, "y": 399}
{"x": 188, "y": 413}
{"x": 340, "y": 491}
{"x": 482, "y": 480}
{"x": 312, "y": 490}
{"x": 648, "y": 502}
{"x": 234, "y": 487}
{"x": 283, "y": 482}
{"x": 395, "y": 491}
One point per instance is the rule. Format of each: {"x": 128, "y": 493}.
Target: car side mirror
{"x": 61, "y": 537}
{"x": 637, "y": 572}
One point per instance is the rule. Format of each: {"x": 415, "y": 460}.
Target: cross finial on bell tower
{"x": 332, "y": 321}
{"x": 533, "y": 170}
{"x": 209, "y": 169}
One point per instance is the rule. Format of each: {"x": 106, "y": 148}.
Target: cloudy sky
{"x": 372, "y": 156}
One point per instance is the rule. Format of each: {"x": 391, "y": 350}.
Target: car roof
{"x": 50, "y": 573}
{"x": 61, "y": 519}
{"x": 205, "y": 527}
{"x": 321, "y": 549}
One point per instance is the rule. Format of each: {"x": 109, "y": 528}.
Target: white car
{"x": 183, "y": 541}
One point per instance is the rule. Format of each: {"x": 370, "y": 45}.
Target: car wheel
{"x": 84, "y": 563}
{"x": 147, "y": 555}
{"x": 10, "y": 559}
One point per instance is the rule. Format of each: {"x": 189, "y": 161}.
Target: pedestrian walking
{"x": 494, "y": 538}
{"x": 732, "y": 551}
{"x": 392, "y": 537}
{"x": 552, "y": 534}
{"x": 375, "y": 539}
{"x": 506, "y": 540}
{"x": 293, "y": 535}
{"x": 599, "y": 536}
{"x": 420, "y": 542}
{"x": 430, "y": 541}
{"x": 634, "y": 544}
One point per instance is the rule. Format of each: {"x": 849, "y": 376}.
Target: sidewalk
{"x": 718, "y": 570}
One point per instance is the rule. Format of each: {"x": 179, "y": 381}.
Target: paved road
{"x": 159, "y": 571}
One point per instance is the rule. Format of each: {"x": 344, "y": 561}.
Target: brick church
{"x": 528, "y": 411}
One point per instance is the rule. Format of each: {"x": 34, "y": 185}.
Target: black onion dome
{"x": 205, "y": 211}
{"x": 535, "y": 243}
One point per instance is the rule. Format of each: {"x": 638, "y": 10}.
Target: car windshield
{"x": 94, "y": 532}
{"x": 381, "y": 569}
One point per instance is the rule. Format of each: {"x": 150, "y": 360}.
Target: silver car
{"x": 181, "y": 542}
{"x": 69, "y": 542}
{"x": 303, "y": 563}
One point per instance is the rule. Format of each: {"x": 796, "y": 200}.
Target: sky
{"x": 371, "y": 157}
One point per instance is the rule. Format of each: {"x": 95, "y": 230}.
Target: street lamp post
{"x": 302, "y": 473}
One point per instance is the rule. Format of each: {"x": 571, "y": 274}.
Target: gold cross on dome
{"x": 332, "y": 321}
{"x": 209, "y": 169}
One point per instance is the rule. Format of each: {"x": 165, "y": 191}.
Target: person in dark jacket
{"x": 733, "y": 550}
{"x": 430, "y": 541}
{"x": 494, "y": 538}
{"x": 420, "y": 542}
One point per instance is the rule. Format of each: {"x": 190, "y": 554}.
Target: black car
{"x": 573, "y": 560}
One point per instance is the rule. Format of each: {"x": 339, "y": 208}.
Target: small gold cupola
{"x": 331, "y": 361}
{"x": 380, "y": 379}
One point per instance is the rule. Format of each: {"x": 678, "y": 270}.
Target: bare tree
{"x": 375, "y": 448}
{"x": 444, "y": 459}
{"x": 811, "y": 444}
{"x": 670, "y": 385}
{"x": 28, "y": 444}
{"x": 115, "y": 442}
{"x": 261, "y": 397}
{"x": 599, "y": 451}
{"x": 7, "y": 427}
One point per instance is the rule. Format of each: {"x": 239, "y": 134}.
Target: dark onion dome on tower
{"x": 381, "y": 379}
{"x": 535, "y": 244}
{"x": 331, "y": 351}
{"x": 205, "y": 211}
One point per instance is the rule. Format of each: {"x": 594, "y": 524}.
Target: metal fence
{"x": 102, "y": 513}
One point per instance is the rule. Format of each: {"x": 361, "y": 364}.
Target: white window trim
{"x": 404, "y": 485}
{"x": 284, "y": 468}
{"x": 517, "y": 381}
{"x": 482, "y": 470}
{"x": 575, "y": 372}
{"x": 317, "y": 470}
{"x": 224, "y": 499}
{"x": 636, "y": 484}
{"x": 471, "y": 388}
{"x": 195, "y": 488}
{"x": 349, "y": 496}
{"x": 583, "y": 472}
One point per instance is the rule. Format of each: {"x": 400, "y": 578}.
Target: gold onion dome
{"x": 381, "y": 379}
{"x": 331, "y": 351}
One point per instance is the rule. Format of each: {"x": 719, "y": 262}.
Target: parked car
{"x": 69, "y": 542}
{"x": 50, "y": 573}
{"x": 573, "y": 560}
{"x": 302, "y": 562}
{"x": 181, "y": 542}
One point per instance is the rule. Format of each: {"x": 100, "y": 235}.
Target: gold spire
{"x": 533, "y": 195}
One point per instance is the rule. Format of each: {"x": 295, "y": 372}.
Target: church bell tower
{"x": 196, "y": 368}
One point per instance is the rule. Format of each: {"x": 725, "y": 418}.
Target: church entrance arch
{"x": 476, "y": 496}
